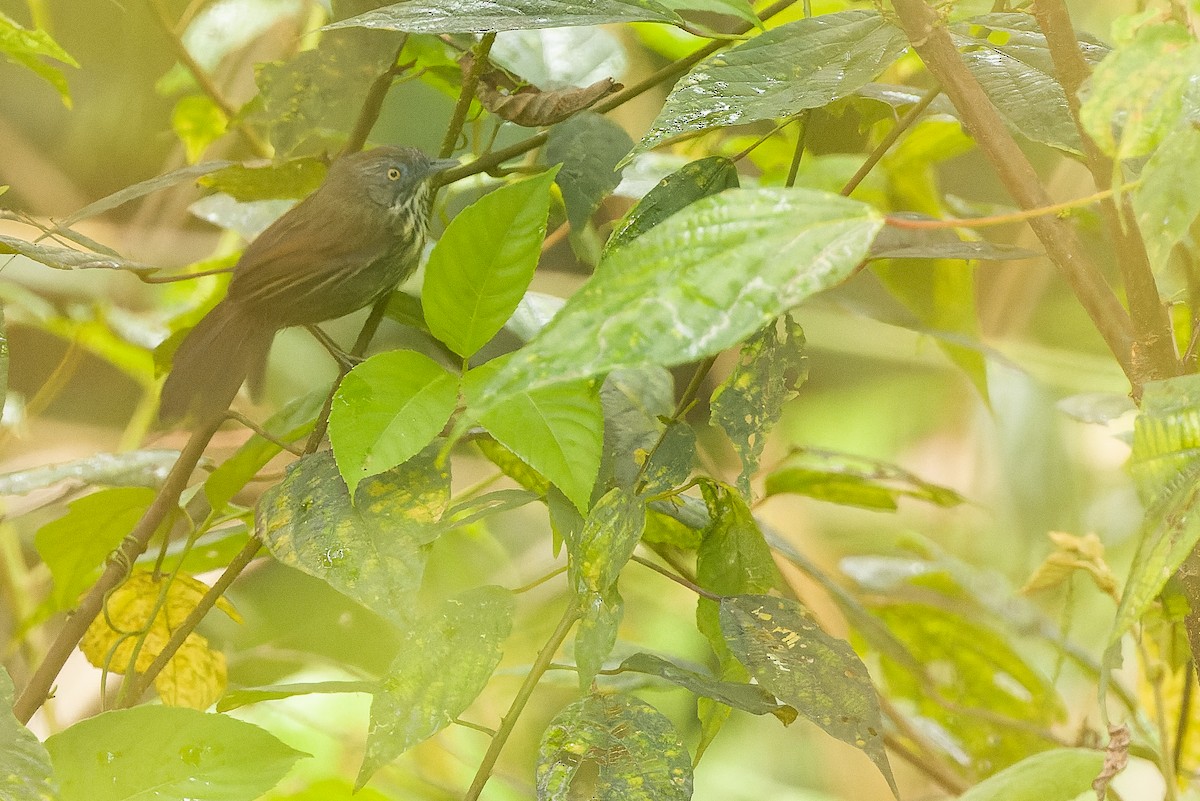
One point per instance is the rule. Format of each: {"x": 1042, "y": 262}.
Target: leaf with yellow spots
{"x": 140, "y": 617}
{"x": 612, "y": 747}
{"x": 802, "y": 666}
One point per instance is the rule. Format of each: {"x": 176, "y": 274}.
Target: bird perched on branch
{"x": 341, "y": 248}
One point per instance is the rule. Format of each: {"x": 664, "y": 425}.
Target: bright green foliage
{"x": 371, "y": 549}
{"x": 1057, "y": 775}
{"x": 1166, "y": 206}
{"x": 294, "y": 178}
{"x": 25, "y": 771}
{"x": 788, "y": 653}
{"x": 198, "y": 122}
{"x": 166, "y": 752}
{"x": 612, "y": 747}
{"x": 480, "y": 16}
{"x": 444, "y": 661}
{"x": 27, "y": 48}
{"x": 854, "y": 481}
{"x": 481, "y": 266}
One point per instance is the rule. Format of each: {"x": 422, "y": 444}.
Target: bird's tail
{"x": 211, "y": 363}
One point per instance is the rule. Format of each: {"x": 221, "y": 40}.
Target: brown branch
{"x": 373, "y": 103}
{"x": 1154, "y": 351}
{"x": 930, "y": 40}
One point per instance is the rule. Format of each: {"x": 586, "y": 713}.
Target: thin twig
{"x": 466, "y": 95}
{"x": 680, "y": 580}
{"x": 373, "y": 103}
{"x": 880, "y": 150}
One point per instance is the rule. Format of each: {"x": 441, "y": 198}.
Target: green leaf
{"x": 481, "y": 266}
{"x": 290, "y": 180}
{"x": 233, "y": 699}
{"x": 25, "y": 771}
{"x": 129, "y": 469}
{"x": 481, "y": 16}
{"x": 804, "y": 667}
{"x": 373, "y": 551}
{"x": 633, "y": 402}
{"x": 167, "y": 752}
{"x": 25, "y": 47}
{"x": 906, "y": 243}
{"x": 198, "y": 122}
{"x": 386, "y": 410}
{"x": 697, "y": 179}
{"x": 734, "y": 8}
{"x": 557, "y": 430}
{"x": 1140, "y": 92}
{"x": 746, "y": 697}
{"x": 596, "y": 632}
{"x": 854, "y": 481}
{"x": 612, "y": 747}
{"x": 1165, "y": 206}
{"x": 749, "y": 402}
{"x": 1166, "y": 435}
{"x": 444, "y": 662}
{"x": 1007, "y": 53}
{"x": 703, "y": 280}
{"x": 61, "y": 258}
{"x": 670, "y": 464}
{"x": 1061, "y": 774}
{"x": 804, "y": 64}
{"x": 512, "y": 466}
{"x": 610, "y": 533}
{"x": 143, "y": 188}
{"x": 75, "y": 545}
{"x": 589, "y": 147}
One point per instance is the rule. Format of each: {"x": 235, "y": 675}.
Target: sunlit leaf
{"x": 25, "y": 769}
{"x": 749, "y": 402}
{"x": 444, "y": 662}
{"x": 386, "y": 410}
{"x": 1166, "y": 434}
{"x": 373, "y": 549}
{"x": 800, "y": 65}
{"x": 589, "y": 148}
{"x": 804, "y": 667}
{"x": 27, "y": 48}
{"x": 481, "y": 266}
{"x": 164, "y": 752}
{"x": 243, "y": 697}
{"x": 291, "y": 180}
{"x": 612, "y": 747}
{"x": 481, "y": 16}
{"x": 854, "y": 481}
{"x": 198, "y": 122}
{"x": 1060, "y": 774}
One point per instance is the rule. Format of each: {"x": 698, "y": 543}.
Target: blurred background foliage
{"x": 1008, "y": 432}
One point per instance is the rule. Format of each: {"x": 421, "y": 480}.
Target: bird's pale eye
{"x": 393, "y": 173}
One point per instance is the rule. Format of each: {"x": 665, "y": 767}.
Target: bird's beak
{"x": 439, "y": 166}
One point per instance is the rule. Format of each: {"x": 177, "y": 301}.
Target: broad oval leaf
{"x": 804, "y": 64}
{"x": 590, "y": 148}
{"x": 167, "y": 752}
{"x": 372, "y": 550}
{"x": 481, "y": 266}
{"x": 1061, "y": 774}
{"x": 701, "y": 281}
{"x": 804, "y": 667}
{"x": 444, "y": 662}
{"x": 612, "y": 747}
{"x": 481, "y": 16}
{"x": 386, "y": 410}
{"x": 24, "y": 763}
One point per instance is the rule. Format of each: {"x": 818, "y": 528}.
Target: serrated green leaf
{"x": 746, "y": 697}
{"x": 373, "y": 550}
{"x": 701, "y": 281}
{"x": 481, "y": 266}
{"x": 556, "y": 430}
{"x": 749, "y": 403}
{"x": 75, "y": 545}
{"x": 1140, "y": 92}
{"x": 26, "y": 48}
{"x": 589, "y": 148}
{"x": 1060, "y": 774}
{"x": 1165, "y": 206}
{"x": 25, "y": 770}
{"x": 129, "y": 469}
{"x": 1166, "y": 435}
{"x": 481, "y": 16}
{"x": 444, "y": 662}
{"x": 167, "y": 752}
{"x": 289, "y": 180}
{"x": 596, "y": 632}
{"x": 612, "y": 747}
{"x": 386, "y": 410}
{"x": 802, "y": 666}
{"x": 800, "y": 65}
{"x": 695, "y": 180}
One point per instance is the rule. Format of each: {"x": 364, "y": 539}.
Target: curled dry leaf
{"x": 1115, "y": 757}
{"x": 525, "y": 104}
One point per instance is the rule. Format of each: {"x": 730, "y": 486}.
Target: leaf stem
{"x": 373, "y": 103}
{"x": 680, "y": 580}
{"x": 540, "y": 665}
{"x": 479, "y": 63}
{"x": 888, "y": 140}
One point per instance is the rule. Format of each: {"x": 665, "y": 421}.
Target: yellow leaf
{"x": 1070, "y": 554}
{"x": 195, "y": 676}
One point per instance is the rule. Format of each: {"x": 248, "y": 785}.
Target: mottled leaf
{"x": 25, "y": 770}
{"x": 746, "y": 697}
{"x": 596, "y": 632}
{"x": 609, "y": 535}
{"x": 481, "y": 16}
{"x": 290, "y": 180}
{"x": 445, "y": 660}
{"x": 372, "y": 550}
{"x": 512, "y": 466}
{"x": 163, "y": 752}
{"x": 669, "y": 465}
{"x": 589, "y": 148}
{"x": 802, "y": 666}
{"x": 749, "y": 402}
{"x": 612, "y": 747}
{"x": 633, "y": 401}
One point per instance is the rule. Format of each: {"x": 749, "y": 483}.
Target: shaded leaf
{"x": 703, "y": 280}
{"x": 799, "y": 65}
{"x": 559, "y": 58}
{"x": 612, "y": 747}
{"x": 610, "y": 533}
{"x": 143, "y": 188}
{"x": 804, "y": 667}
{"x": 905, "y": 243}
{"x": 670, "y": 464}
{"x": 373, "y": 550}
{"x": 697, "y": 179}
{"x": 746, "y": 697}
{"x": 1060, "y": 774}
{"x": 61, "y": 258}
{"x": 486, "y": 505}
{"x": 444, "y": 662}
{"x": 1165, "y": 206}
{"x": 25, "y": 769}
{"x": 527, "y": 105}
{"x": 854, "y": 481}
{"x": 386, "y": 410}
{"x": 290, "y": 180}
{"x": 589, "y": 148}
{"x": 27, "y": 48}
{"x": 129, "y": 469}
{"x": 483, "y": 263}
{"x": 596, "y": 632}
{"x": 481, "y": 16}
{"x": 749, "y": 402}
{"x": 633, "y": 401}
{"x": 165, "y": 752}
